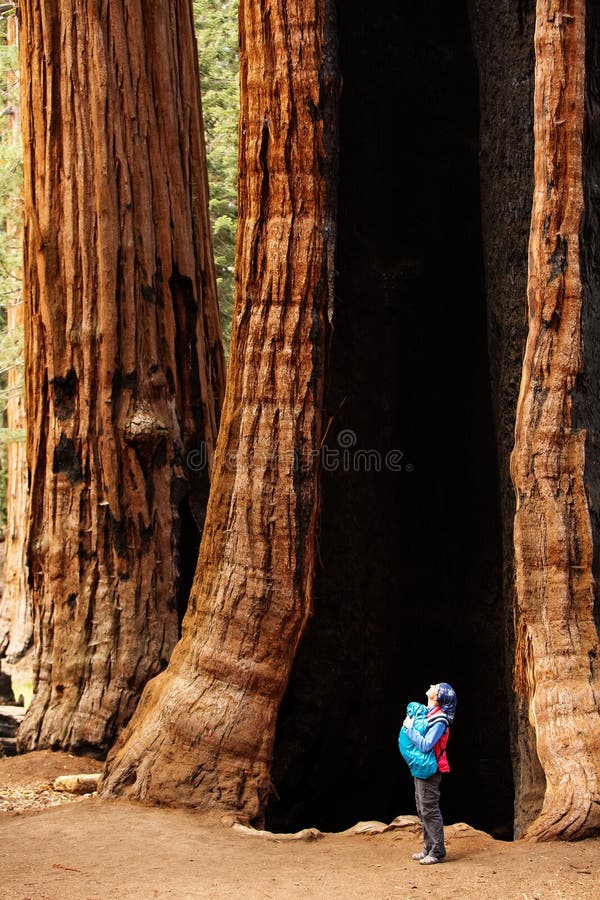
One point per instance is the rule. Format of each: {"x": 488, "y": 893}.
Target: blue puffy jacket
{"x": 421, "y": 765}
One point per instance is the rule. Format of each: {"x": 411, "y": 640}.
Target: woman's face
{"x": 432, "y": 692}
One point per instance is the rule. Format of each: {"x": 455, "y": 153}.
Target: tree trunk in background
{"x": 16, "y": 626}
{"x": 557, "y": 642}
{"x": 203, "y": 732}
{"x": 124, "y": 365}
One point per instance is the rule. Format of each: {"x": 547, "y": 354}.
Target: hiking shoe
{"x": 419, "y": 856}
{"x": 429, "y": 860}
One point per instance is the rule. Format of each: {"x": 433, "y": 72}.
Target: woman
{"x": 441, "y": 706}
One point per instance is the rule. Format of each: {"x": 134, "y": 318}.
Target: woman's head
{"x": 446, "y": 698}
{"x": 443, "y": 695}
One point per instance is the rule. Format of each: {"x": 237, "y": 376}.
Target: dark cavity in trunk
{"x": 414, "y": 579}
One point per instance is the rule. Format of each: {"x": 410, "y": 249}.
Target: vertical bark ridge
{"x": 122, "y": 315}
{"x": 556, "y": 636}
{"x": 16, "y": 627}
{"x": 203, "y": 732}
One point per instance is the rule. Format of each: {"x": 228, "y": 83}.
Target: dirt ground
{"x": 59, "y": 847}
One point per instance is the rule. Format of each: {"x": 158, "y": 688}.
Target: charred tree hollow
{"x": 586, "y": 411}
{"x": 409, "y": 587}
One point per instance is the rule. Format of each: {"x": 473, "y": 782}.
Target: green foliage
{"x": 217, "y": 34}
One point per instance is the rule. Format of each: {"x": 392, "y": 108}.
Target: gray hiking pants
{"x": 427, "y": 797}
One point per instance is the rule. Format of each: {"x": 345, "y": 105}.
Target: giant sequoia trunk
{"x": 557, "y": 641}
{"x": 203, "y": 732}
{"x": 123, "y": 354}
{"x": 16, "y": 627}
{"x": 419, "y": 534}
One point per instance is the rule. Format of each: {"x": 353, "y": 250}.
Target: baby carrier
{"x": 424, "y": 765}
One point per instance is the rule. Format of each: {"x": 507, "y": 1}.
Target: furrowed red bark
{"x": 124, "y": 364}
{"x": 16, "y": 625}
{"x": 557, "y": 642}
{"x": 203, "y": 733}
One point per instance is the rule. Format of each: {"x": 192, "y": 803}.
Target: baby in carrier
{"x": 421, "y": 765}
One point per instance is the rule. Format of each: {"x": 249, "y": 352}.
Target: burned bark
{"x": 124, "y": 365}
{"x": 203, "y": 732}
{"x": 503, "y": 39}
{"x": 401, "y": 543}
{"x": 557, "y": 641}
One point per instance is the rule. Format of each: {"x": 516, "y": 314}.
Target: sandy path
{"x": 93, "y": 849}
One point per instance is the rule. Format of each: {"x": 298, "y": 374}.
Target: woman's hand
{"x": 408, "y": 722}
